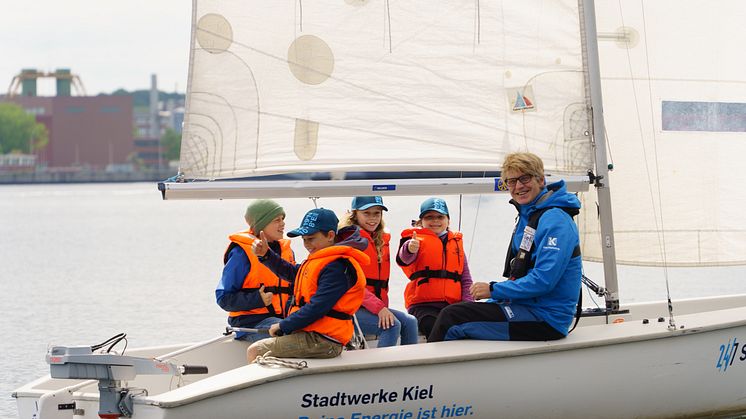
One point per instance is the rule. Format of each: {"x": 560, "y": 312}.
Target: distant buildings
{"x": 84, "y": 131}
{"x": 105, "y": 132}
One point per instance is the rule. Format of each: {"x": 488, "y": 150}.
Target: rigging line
{"x": 592, "y": 295}
{"x": 661, "y": 236}
{"x": 460, "y": 209}
{"x": 474, "y": 225}
{"x": 460, "y": 204}
{"x": 671, "y": 323}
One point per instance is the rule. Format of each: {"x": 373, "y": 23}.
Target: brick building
{"x": 84, "y": 131}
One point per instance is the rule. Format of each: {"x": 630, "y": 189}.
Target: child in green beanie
{"x": 253, "y": 296}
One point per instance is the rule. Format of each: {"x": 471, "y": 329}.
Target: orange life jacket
{"x": 260, "y": 274}
{"x": 377, "y": 273}
{"x": 435, "y": 275}
{"x": 337, "y": 323}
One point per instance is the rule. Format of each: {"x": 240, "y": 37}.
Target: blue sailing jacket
{"x": 550, "y": 289}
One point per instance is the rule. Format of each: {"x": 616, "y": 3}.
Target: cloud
{"x": 108, "y": 44}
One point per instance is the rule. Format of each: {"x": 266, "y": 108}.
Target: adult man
{"x": 329, "y": 288}
{"x": 544, "y": 268}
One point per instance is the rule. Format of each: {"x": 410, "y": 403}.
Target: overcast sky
{"x": 108, "y": 44}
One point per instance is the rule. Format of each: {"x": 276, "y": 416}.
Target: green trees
{"x": 19, "y": 131}
{"x": 171, "y": 143}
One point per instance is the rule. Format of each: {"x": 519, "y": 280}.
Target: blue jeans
{"x": 253, "y": 337}
{"x": 405, "y": 325}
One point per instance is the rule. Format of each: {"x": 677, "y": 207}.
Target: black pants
{"x": 426, "y": 316}
{"x": 490, "y": 321}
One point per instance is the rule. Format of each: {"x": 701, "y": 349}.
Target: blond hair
{"x": 377, "y": 235}
{"x": 523, "y": 162}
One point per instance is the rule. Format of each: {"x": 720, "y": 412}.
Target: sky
{"x": 108, "y": 44}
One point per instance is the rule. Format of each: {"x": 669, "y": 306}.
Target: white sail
{"x": 676, "y": 132}
{"x": 286, "y": 86}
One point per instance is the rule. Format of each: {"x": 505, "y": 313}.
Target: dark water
{"x": 80, "y": 263}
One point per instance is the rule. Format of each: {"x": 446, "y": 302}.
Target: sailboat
{"x": 293, "y": 91}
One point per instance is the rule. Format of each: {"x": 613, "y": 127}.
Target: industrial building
{"x": 100, "y": 133}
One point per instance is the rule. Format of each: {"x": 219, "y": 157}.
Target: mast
{"x": 602, "y": 168}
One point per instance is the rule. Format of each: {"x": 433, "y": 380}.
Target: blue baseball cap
{"x": 434, "y": 204}
{"x": 319, "y": 219}
{"x": 365, "y": 202}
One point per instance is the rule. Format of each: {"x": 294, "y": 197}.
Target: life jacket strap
{"x": 378, "y": 285}
{"x": 426, "y": 274}
{"x": 279, "y": 290}
{"x": 331, "y": 313}
{"x": 575, "y": 252}
{"x": 338, "y": 315}
{"x": 272, "y": 289}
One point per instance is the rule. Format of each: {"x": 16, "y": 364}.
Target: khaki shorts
{"x": 299, "y": 345}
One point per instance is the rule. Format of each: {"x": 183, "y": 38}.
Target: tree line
{"x": 19, "y": 131}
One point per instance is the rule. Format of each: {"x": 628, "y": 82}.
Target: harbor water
{"x": 80, "y": 263}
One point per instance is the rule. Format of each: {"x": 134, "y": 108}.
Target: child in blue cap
{"x": 433, "y": 258}
{"x": 328, "y": 290}
{"x": 375, "y": 317}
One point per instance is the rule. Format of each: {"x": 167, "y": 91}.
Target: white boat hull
{"x": 650, "y": 371}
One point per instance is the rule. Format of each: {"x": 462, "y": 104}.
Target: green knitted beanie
{"x": 261, "y": 212}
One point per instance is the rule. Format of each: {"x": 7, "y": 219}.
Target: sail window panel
{"x": 703, "y": 116}
{"x": 421, "y": 86}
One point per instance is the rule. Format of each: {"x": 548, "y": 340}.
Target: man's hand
{"x": 480, "y": 290}
{"x": 260, "y": 247}
{"x": 266, "y": 296}
{"x": 413, "y": 245}
{"x": 385, "y": 318}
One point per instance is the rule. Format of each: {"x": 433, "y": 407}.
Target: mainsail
{"x": 286, "y": 86}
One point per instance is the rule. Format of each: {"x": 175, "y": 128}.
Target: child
{"x": 374, "y": 317}
{"x": 329, "y": 288}
{"x": 252, "y": 295}
{"x": 433, "y": 259}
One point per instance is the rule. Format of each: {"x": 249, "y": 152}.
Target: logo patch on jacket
{"x": 551, "y": 243}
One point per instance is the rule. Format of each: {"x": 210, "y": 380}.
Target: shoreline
{"x": 87, "y": 176}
